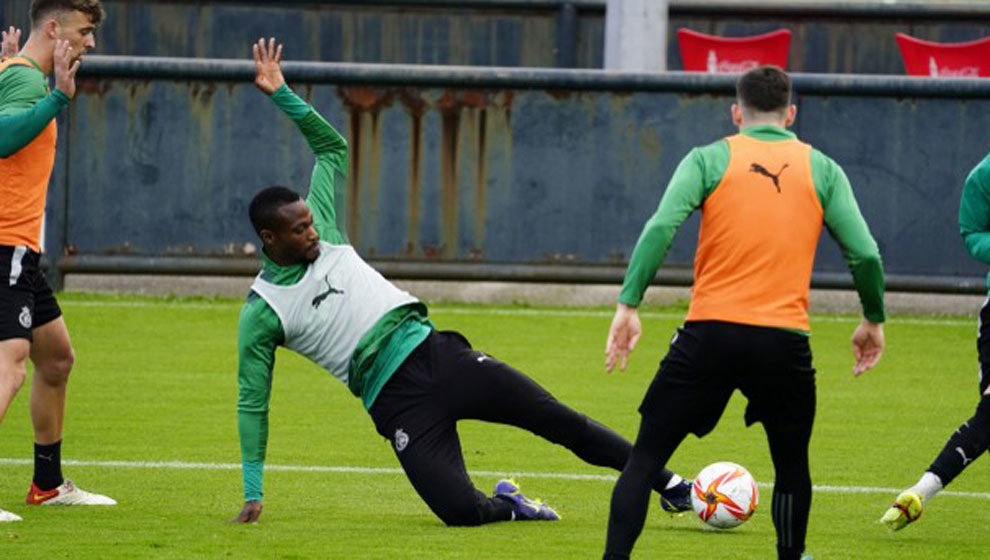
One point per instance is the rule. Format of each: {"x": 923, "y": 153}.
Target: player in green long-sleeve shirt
{"x": 764, "y": 198}
{"x": 317, "y": 297}
{"x": 972, "y": 438}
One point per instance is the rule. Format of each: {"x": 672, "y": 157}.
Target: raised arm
{"x": 329, "y": 147}
{"x": 24, "y": 116}
{"x": 260, "y": 333}
{"x": 11, "y": 40}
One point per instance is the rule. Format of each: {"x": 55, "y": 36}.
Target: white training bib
{"x": 325, "y": 315}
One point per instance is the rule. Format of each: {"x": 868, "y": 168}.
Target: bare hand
{"x": 867, "y": 345}
{"x": 11, "y": 42}
{"x": 268, "y": 62}
{"x": 250, "y": 513}
{"x": 622, "y": 337}
{"x": 65, "y": 69}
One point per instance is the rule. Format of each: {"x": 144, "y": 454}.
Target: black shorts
{"x": 26, "y": 300}
{"x": 709, "y": 360}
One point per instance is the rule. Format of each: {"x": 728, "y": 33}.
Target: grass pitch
{"x": 155, "y": 381}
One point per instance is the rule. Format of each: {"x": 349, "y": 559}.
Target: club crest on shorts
{"x": 25, "y": 317}
{"x": 401, "y": 440}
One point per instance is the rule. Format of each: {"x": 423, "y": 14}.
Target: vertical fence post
{"x": 636, "y": 35}
{"x": 567, "y": 22}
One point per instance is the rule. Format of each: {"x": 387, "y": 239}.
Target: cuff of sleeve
{"x": 60, "y": 98}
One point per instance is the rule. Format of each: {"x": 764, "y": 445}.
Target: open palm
{"x": 268, "y": 63}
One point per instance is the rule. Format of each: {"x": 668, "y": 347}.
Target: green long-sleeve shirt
{"x": 697, "y": 176}
{"x": 26, "y": 106}
{"x": 974, "y": 212}
{"x": 379, "y": 353}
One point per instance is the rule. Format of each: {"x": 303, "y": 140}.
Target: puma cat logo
{"x": 757, "y": 168}
{"x": 330, "y": 290}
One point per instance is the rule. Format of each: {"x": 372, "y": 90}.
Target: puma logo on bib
{"x": 757, "y": 168}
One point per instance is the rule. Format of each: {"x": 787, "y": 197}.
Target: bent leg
{"x": 13, "y": 370}
{"x": 965, "y": 445}
{"x": 434, "y": 463}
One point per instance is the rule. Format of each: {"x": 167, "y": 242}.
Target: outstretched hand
{"x": 11, "y": 42}
{"x": 622, "y": 337}
{"x": 65, "y": 69}
{"x": 867, "y": 345}
{"x": 249, "y": 514}
{"x": 268, "y": 63}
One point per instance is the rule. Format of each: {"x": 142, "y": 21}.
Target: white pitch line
{"x": 182, "y": 465}
{"x": 511, "y": 312}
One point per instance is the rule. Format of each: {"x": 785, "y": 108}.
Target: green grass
{"x": 156, "y": 381}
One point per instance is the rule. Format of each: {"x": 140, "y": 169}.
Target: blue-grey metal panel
{"x": 493, "y": 166}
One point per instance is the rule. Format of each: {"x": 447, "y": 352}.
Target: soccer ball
{"x": 724, "y": 495}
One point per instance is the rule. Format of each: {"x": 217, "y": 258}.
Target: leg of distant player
{"x": 654, "y": 445}
{"x": 53, "y": 357}
{"x": 963, "y": 447}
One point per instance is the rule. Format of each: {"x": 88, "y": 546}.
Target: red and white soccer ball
{"x": 724, "y": 495}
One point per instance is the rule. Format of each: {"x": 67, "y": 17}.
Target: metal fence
{"x": 828, "y": 37}
{"x": 478, "y": 172}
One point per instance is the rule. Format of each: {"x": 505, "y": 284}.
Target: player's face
{"x": 296, "y": 240}
{"x": 77, "y": 28}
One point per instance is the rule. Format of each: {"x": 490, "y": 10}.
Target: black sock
{"x": 48, "y": 465}
{"x": 965, "y": 445}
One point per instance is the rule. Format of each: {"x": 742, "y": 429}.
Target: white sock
{"x": 674, "y": 481}
{"x": 929, "y": 485}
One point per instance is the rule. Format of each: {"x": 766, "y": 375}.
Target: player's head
{"x": 285, "y": 225}
{"x": 763, "y": 96}
{"x": 74, "y": 21}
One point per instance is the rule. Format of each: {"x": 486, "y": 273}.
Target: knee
{"x": 55, "y": 370}
{"x": 461, "y": 515}
{"x": 13, "y": 377}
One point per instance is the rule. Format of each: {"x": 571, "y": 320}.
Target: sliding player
{"x": 317, "y": 297}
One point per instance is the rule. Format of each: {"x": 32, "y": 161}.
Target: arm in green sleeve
{"x": 330, "y": 149}
{"x": 974, "y": 212}
{"x": 259, "y": 334}
{"x": 685, "y": 193}
{"x": 846, "y": 225}
{"x": 22, "y": 124}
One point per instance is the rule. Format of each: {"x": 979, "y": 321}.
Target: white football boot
{"x": 7, "y": 516}
{"x": 67, "y": 495}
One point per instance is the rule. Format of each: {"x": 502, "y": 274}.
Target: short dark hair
{"x": 42, "y": 8}
{"x": 266, "y": 204}
{"x": 764, "y": 89}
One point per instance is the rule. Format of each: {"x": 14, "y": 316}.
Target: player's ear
{"x": 791, "y": 115}
{"x": 737, "y": 116}
{"x": 267, "y": 237}
{"x": 50, "y": 28}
